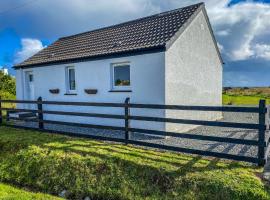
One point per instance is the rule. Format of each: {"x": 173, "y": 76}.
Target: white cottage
{"x": 167, "y": 58}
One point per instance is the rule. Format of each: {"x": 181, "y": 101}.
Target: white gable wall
{"x": 193, "y": 73}
{"x": 147, "y": 85}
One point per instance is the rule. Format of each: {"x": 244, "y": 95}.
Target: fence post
{"x": 127, "y": 112}
{"x": 7, "y": 116}
{"x": 40, "y": 114}
{"x": 267, "y": 115}
{"x": 1, "y": 113}
{"x": 261, "y": 147}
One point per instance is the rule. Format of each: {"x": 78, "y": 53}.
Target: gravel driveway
{"x": 180, "y": 142}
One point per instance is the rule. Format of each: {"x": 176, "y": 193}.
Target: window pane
{"x": 71, "y": 74}
{"x": 122, "y": 75}
{"x": 31, "y": 78}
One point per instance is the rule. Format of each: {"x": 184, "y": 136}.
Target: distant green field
{"x": 245, "y": 95}
{"x": 243, "y": 100}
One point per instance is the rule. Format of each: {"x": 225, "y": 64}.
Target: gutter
{"x": 147, "y": 50}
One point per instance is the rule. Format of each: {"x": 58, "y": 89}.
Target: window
{"x": 31, "y": 78}
{"x": 121, "y": 76}
{"x": 71, "y": 81}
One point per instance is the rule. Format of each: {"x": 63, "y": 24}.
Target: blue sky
{"x": 240, "y": 26}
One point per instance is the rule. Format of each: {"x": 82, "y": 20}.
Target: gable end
{"x": 188, "y": 22}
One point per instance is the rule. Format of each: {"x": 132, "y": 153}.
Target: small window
{"x": 31, "y": 78}
{"x": 71, "y": 81}
{"x": 121, "y": 76}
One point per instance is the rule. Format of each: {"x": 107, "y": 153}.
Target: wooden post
{"x": 1, "y": 113}
{"x": 127, "y": 112}
{"x": 267, "y": 117}
{"x": 7, "y": 116}
{"x": 261, "y": 147}
{"x": 40, "y": 114}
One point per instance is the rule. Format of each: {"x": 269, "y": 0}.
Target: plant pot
{"x": 90, "y": 91}
{"x": 54, "y": 91}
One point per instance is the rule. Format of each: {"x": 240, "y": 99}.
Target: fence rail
{"x": 262, "y": 143}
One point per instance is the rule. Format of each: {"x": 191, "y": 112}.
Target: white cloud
{"x": 221, "y": 48}
{"x": 29, "y": 48}
{"x": 242, "y": 52}
{"x": 241, "y": 29}
{"x": 247, "y": 23}
{"x": 223, "y": 32}
{"x": 238, "y": 27}
{"x": 262, "y": 51}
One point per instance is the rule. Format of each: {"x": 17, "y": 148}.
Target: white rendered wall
{"x": 147, "y": 85}
{"x": 19, "y": 84}
{"x": 193, "y": 74}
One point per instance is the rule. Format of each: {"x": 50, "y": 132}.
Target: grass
{"x": 8, "y": 192}
{"x": 243, "y": 100}
{"x": 245, "y": 96}
{"x": 248, "y": 91}
{"x": 52, "y": 163}
{"x": 7, "y": 95}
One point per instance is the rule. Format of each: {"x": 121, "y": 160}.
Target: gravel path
{"x": 180, "y": 142}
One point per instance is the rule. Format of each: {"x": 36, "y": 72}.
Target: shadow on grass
{"x": 180, "y": 162}
{"x": 122, "y": 168}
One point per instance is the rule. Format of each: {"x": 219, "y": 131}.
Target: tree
{"x": 7, "y": 83}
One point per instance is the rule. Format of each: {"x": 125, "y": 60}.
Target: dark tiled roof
{"x": 147, "y": 33}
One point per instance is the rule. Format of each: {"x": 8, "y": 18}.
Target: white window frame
{"x": 68, "y": 90}
{"x": 113, "y": 86}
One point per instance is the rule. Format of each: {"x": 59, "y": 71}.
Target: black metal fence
{"x": 262, "y": 110}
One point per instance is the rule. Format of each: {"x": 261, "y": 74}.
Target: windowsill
{"x": 70, "y": 94}
{"x": 120, "y": 91}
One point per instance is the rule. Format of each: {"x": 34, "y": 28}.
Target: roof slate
{"x": 147, "y": 33}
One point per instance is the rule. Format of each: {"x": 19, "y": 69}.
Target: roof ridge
{"x": 131, "y": 21}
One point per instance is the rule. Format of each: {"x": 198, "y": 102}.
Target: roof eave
{"x": 135, "y": 52}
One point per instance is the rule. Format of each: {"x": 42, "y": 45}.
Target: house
{"x": 167, "y": 58}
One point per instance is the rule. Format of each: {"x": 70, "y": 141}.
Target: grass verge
{"x": 52, "y": 163}
{"x": 8, "y": 192}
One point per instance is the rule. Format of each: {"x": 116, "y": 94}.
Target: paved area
{"x": 188, "y": 143}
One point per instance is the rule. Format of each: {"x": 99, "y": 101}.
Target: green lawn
{"x": 50, "y": 163}
{"x": 242, "y": 100}
{"x": 8, "y": 192}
